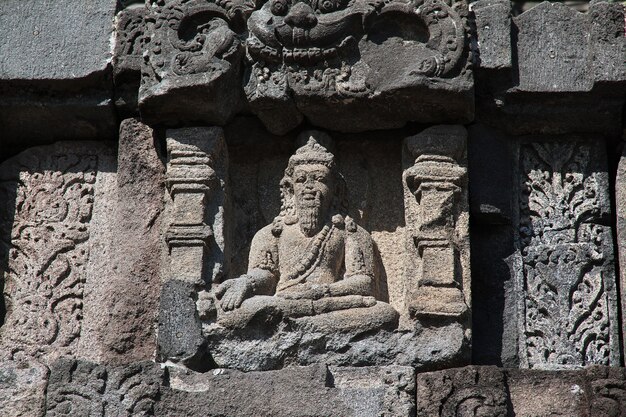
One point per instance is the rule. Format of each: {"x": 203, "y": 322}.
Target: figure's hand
{"x": 314, "y": 292}
{"x": 232, "y": 292}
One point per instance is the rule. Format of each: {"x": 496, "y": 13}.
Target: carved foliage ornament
{"x": 47, "y": 252}
{"x": 566, "y": 303}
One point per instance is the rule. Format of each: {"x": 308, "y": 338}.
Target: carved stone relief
{"x": 195, "y": 236}
{"x": 88, "y": 389}
{"x": 299, "y": 56}
{"x": 438, "y": 279}
{"x": 48, "y": 202}
{"x": 304, "y": 55}
{"x": 566, "y": 280}
{"x": 194, "y": 55}
{"x": 312, "y": 290}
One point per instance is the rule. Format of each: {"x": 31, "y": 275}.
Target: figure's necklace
{"x": 312, "y": 258}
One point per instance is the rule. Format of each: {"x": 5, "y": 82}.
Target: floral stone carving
{"x": 569, "y": 307}
{"x": 358, "y": 55}
{"x": 48, "y": 200}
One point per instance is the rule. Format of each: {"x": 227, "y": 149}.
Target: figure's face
{"x": 304, "y": 31}
{"x": 312, "y": 187}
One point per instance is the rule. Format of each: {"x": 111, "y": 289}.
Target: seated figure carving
{"x": 313, "y": 260}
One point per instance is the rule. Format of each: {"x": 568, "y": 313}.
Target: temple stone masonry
{"x": 312, "y": 208}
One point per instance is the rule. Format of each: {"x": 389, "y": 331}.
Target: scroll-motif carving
{"x": 88, "y": 389}
{"x": 470, "y": 391}
{"x": 569, "y": 300}
{"x": 437, "y": 278}
{"x": 47, "y": 249}
{"x": 194, "y": 54}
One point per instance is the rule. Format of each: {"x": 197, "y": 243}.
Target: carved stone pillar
{"x": 564, "y": 270}
{"x": 195, "y": 236}
{"x": 438, "y": 282}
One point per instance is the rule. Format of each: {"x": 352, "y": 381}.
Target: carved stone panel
{"x": 366, "y": 58}
{"x": 48, "y": 203}
{"x": 565, "y": 275}
{"x": 195, "y": 235}
{"x": 192, "y": 62}
{"x": 308, "y": 282}
{"x": 436, "y": 212}
{"x": 470, "y": 391}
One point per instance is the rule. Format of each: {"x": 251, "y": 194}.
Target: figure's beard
{"x": 310, "y": 217}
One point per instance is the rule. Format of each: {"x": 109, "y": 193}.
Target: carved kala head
{"x": 312, "y": 189}
{"x": 304, "y": 31}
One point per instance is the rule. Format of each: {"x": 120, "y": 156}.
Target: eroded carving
{"x": 568, "y": 288}
{"x": 437, "y": 268}
{"x": 47, "y": 248}
{"x": 470, "y": 391}
{"x": 89, "y": 389}
{"x": 130, "y": 43}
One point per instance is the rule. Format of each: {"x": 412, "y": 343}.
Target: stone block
{"x": 132, "y": 291}
{"x": 180, "y": 333}
{"x": 130, "y": 42}
{"x": 291, "y": 392}
{"x": 192, "y": 62}
{"x": 554, "y": 49}
{"x": 23, "y": 388}
{"x": 55, "y": 71}
{"x": 466, "y": 391}
{"x": 493, "y": 33}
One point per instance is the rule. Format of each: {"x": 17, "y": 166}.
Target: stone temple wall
{"x": 320, "y": 208}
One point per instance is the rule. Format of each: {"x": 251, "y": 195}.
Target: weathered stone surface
{"x": 620, "y": 206}
{"x": 490, "y": 391}
{"x": 493, "y": 33}
{"x": 565, "y": 269}
{"x": 310, "y": 391}
{"x": 52, "y": 198}
{"x": 130, "y": 42}
{"x": 55, "y": 67}
{"x": 554, "y": 49}
{"x": 542, "y": 393}
{"x": 133, "y": 290}
{"x": 180, "y": 332}
{"x": 81, "y": 388}
{"x": 23, "y": 389}
{"x": 192, "y": 64}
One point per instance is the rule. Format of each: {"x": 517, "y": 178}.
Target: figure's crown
{"x": 315, "y": 151}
